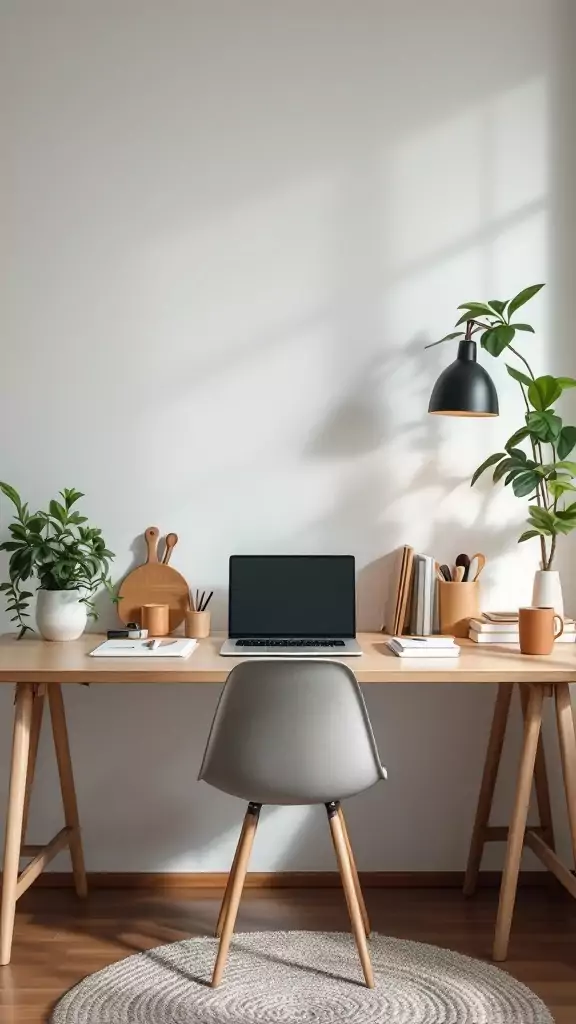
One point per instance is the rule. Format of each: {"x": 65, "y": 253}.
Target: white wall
{"x": 229, "y": 229}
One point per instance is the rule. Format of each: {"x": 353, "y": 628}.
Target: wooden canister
{"x": 197, "y": 624}
{"x": 459, "y": 602}
{"x": 156, "y": 619}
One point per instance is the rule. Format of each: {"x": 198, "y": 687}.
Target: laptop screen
{"x": 292, "y": 596}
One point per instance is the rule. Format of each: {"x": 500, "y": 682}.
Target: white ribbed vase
{"x": 60, "y": 615}
{"x": 547, "y": 591}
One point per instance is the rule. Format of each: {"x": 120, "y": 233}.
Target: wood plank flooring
{"x": 59, "y": 939}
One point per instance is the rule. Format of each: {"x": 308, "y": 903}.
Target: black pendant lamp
{"x": 464, "y": 388}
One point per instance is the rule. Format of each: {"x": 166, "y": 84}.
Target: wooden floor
{"x": 59, "y": 940}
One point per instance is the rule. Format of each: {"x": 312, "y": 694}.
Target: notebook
{"x": 139, "y": 649}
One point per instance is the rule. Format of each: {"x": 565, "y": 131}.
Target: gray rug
{"x": 298, "y": 977}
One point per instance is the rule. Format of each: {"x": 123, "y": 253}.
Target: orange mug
{"x": 536, "y": 627}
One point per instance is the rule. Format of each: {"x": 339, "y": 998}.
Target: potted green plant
{"x": 534, "y": 460}
{"x": 69, "y": 560}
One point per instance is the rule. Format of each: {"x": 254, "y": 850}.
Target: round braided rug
{"x": 297, "y": 977}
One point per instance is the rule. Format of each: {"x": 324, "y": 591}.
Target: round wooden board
{"x": 153, "y": 583}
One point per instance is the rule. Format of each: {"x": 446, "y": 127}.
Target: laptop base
{"x": 247, "y": 647}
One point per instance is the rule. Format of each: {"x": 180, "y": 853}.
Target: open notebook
{"x": 169, "y": 648}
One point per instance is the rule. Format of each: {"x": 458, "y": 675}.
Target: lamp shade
{"x": 464, "y": 388}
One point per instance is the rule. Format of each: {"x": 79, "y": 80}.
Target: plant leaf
{"x": 559, "y": 487}
{"x": 543, "y": 392}
{"x": 523, "y": 327}
{"x": 570, "y": 467}
{"x": 524, "y": 296}
{"x": 566, "y": 441}
{"x": 477, "y": 308}
{"x": 544, "y": 425}
{"x": 540, "y": 515}
{"x": 566, "y": 382}
{"x": 497, "y": 339}
{"x": 522, "y": 378}
{"x": 528, "y": 535}
{"x": 520, "y": 456}
{"x": 57, "y": 511}
{"x": 525, "y": 483}
{"x": 11, "y": 493}
{"x": 519, "y": 435}
{"x": 490, "y": 461}
{"x": 498, "y": 304}
{"x": 505, "y": 466}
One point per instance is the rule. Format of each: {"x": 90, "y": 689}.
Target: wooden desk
{"x": 38, "y": 669}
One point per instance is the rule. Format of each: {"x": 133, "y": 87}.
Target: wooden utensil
{"x": 481, "y": 562}
{"x": 153, "y": 583}
{"x": 459, "y": 573}
{"x": 464, "y": 561}
{"x": 445, "y": 570}
{"x": 171, "y": 542}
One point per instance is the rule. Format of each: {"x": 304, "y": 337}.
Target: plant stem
{"x": 525, "y": 361}
{"x": 542, "y": 496}
{"x": 548, "y": 565}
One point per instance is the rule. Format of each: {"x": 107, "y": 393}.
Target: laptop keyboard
{"x": 290, "y": 643}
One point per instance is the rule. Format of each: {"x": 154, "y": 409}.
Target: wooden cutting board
{"x": 153, "y": 583}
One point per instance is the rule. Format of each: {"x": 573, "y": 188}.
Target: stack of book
{"x": 424, "y": 646}
{"x": 412, "y": 602}
{"x": 502, "y": 628}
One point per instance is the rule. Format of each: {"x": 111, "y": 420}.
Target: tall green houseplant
{"x": 534, "y": 460}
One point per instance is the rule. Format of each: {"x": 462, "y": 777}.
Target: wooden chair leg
{"x": 357, "y": 886}
{"x": 244, "y": 850}
{"x": 347, "y": 877}
{"x": 517, "y": 827}
{"x": 35, "y": 730}
{"x": 488, "y": 785}
{"x": 540, "y": 779}
{"x": 62, "y": 747}
{"x": 567, "y": 737}
{"x": 232, "y": 875}
{"x": 15, "y": 815}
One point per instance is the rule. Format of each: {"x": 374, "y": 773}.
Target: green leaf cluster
{"x": 543, "y": 473}
{"x": 55, "y": 548}
{"x": 493, "y": 320}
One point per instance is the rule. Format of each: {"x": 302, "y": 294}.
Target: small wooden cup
{"x": 537, "y": 630}
{"x": 156, "y": 619}
{"x": 197, "y": 625}
{"x": 459, "y": 602}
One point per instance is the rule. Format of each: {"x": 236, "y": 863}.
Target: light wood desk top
{"x": 33, "y": 660}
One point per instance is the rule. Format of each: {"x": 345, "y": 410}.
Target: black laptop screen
{"x": 292, "y": 596}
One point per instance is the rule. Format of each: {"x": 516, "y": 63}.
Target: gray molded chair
{"x": 292, "y": 732}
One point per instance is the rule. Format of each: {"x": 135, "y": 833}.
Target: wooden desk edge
{"x": 36, "y": 661}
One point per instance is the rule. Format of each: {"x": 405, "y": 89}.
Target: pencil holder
{"x": 459, "y": 602}
{"x": 197, "y": 625}
{"x": 156, "y": 619}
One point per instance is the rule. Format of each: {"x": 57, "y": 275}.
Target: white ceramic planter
{"x": 547, "y": 592}
{"x": 60, "y": 615}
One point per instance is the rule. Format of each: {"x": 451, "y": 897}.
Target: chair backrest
{"x": 291, "y": 732}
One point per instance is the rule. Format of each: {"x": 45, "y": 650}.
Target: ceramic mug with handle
{"x": 537, "y": 630}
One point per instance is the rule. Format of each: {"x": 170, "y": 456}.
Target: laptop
{"x": 292, "y": 606}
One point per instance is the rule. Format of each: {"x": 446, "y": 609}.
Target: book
{"x": 424, "y": 651}
{"x": 420, "y": 643}
{"x": 482, "y": 625}
{"x": 169, "y": 648}
{"x": 398, "y": 606}
{"x": 512, "y": 637}
{"x": 512, "y": 617}
{"x": 423, "y": 610}
{"x": 501, "y": 616}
